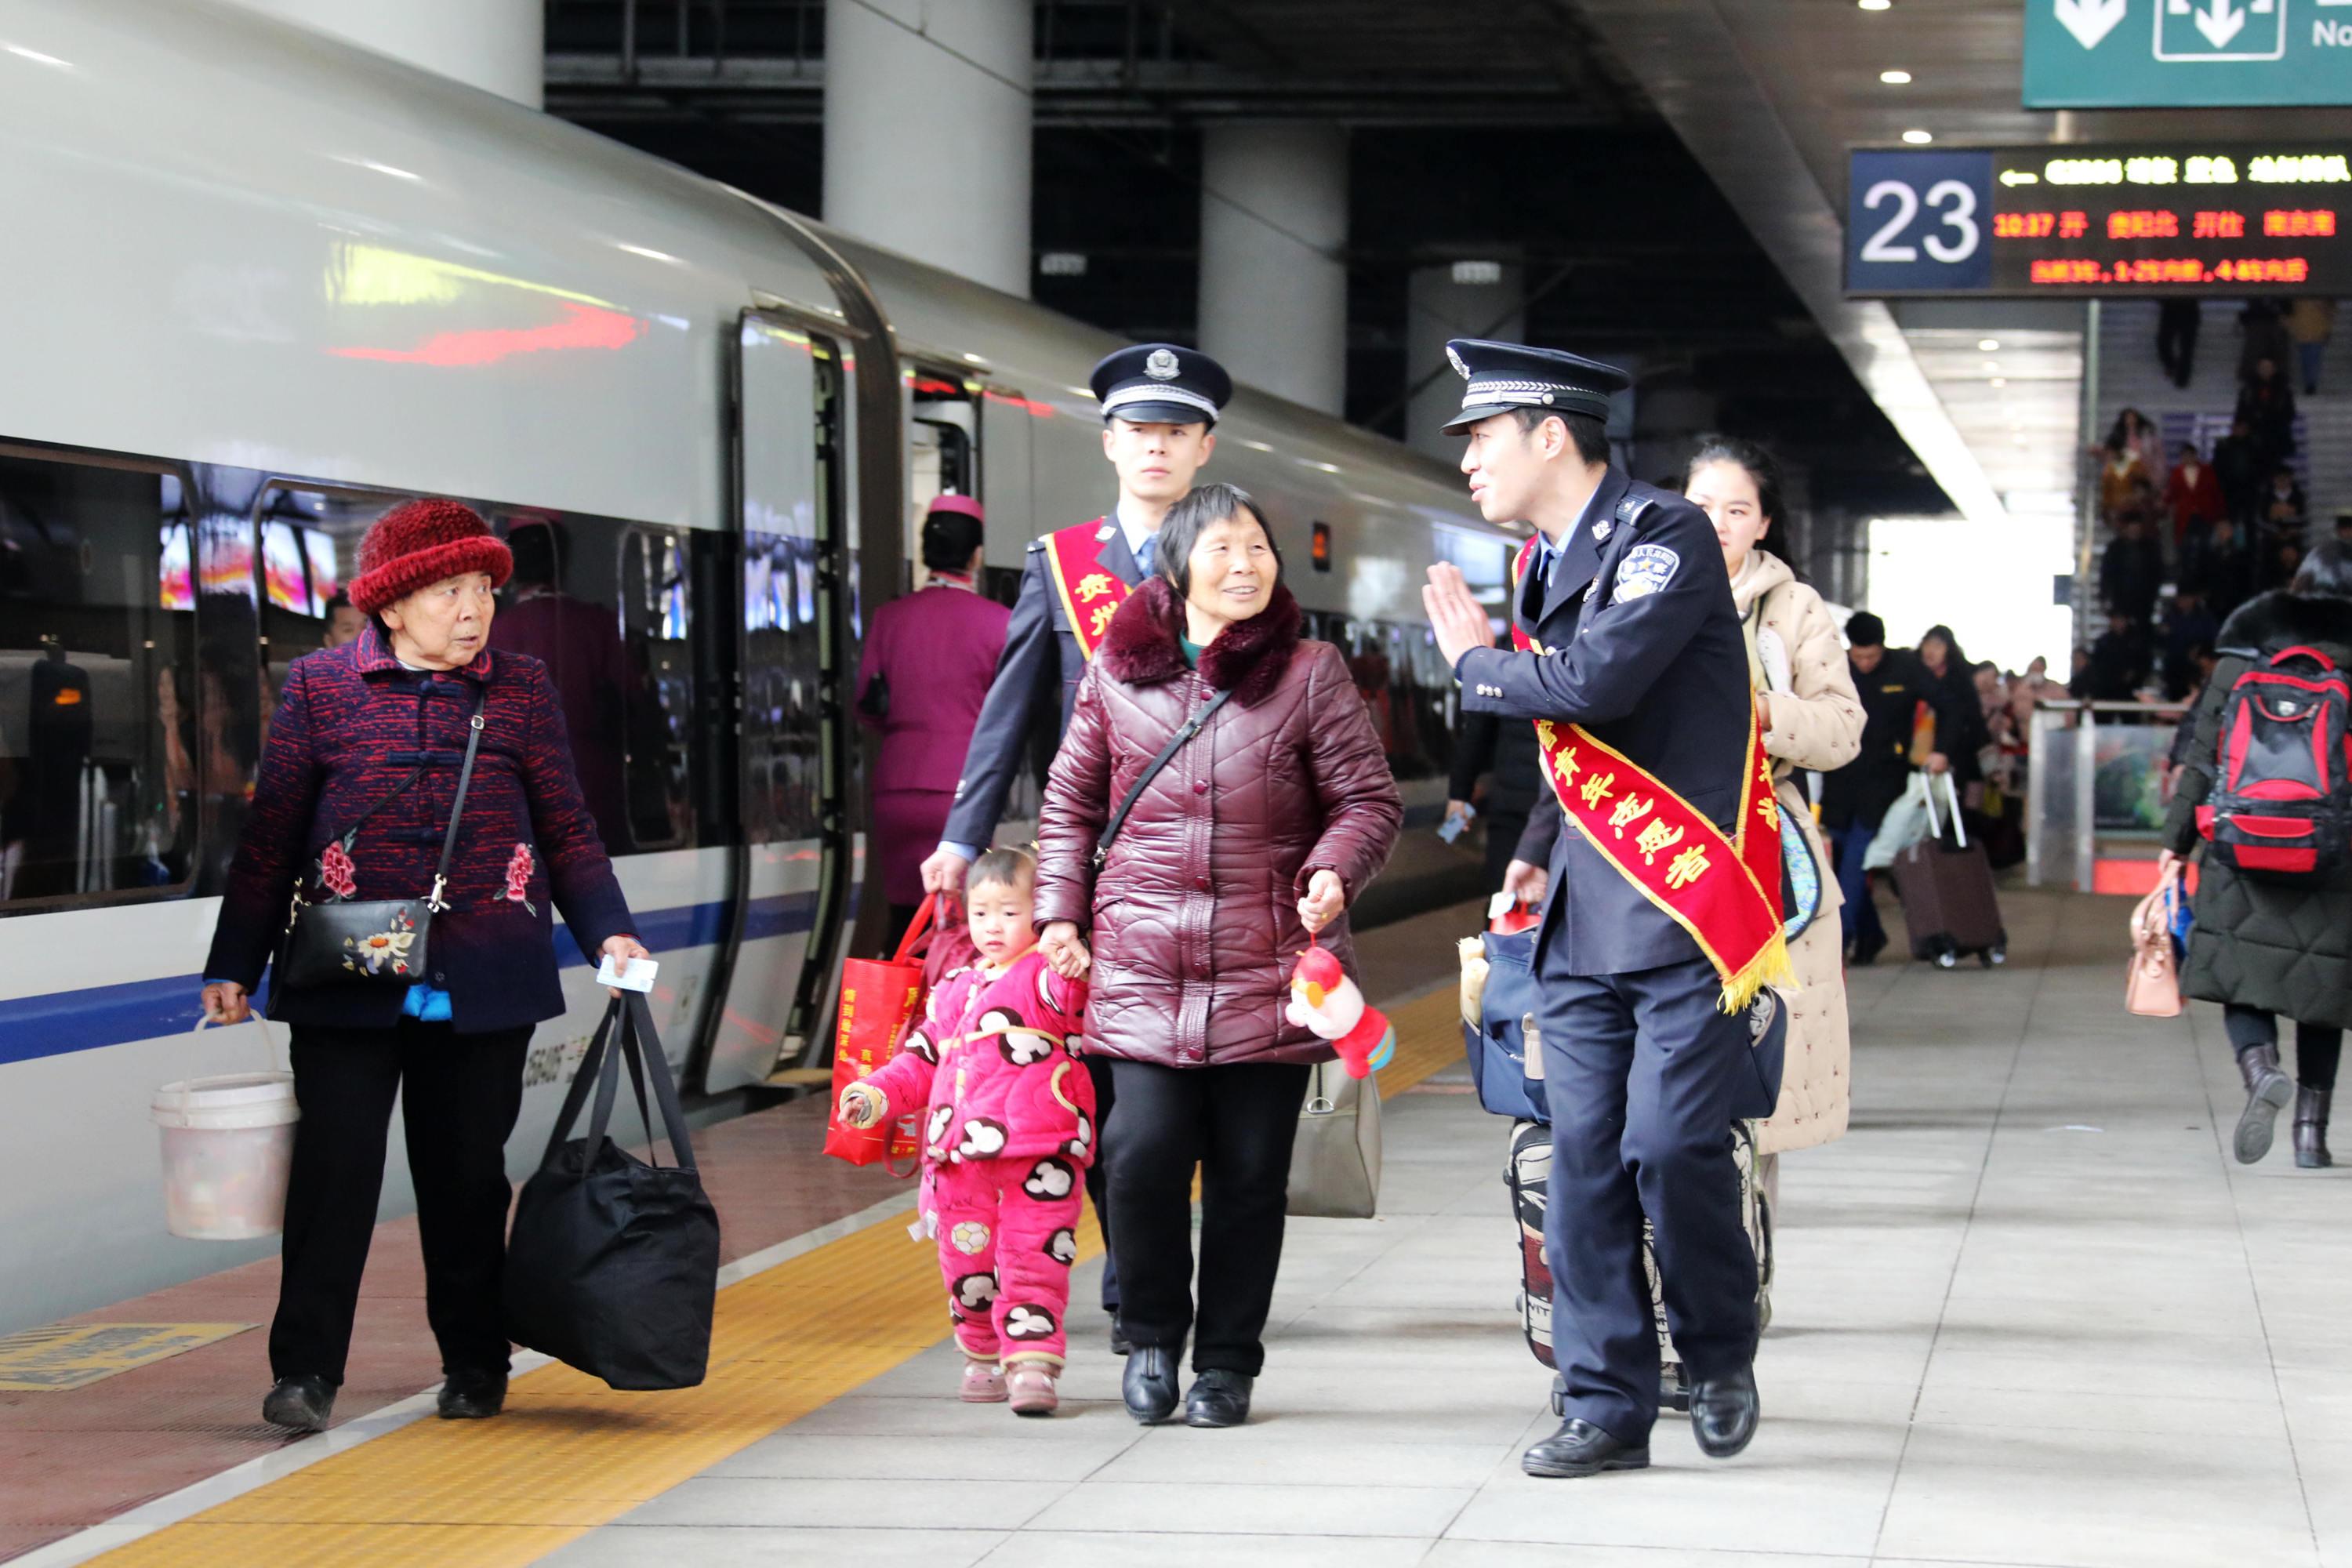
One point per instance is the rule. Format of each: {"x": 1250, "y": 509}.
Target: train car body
{"x": 259, "y": 285}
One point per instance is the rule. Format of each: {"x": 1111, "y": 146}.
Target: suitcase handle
{"x": 1952, "y": 794}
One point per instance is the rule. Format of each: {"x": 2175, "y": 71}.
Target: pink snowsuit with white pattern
{"x": 1009, "y": 1126}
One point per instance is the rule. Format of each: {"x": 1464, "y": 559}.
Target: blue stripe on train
{"x": 60, "y": 1022}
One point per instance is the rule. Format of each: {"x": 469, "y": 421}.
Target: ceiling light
{"x": 1477, "y": 273}
{"x": 1873, "y": 4}
{"x": 1895, "y": 78}
{"x": 1918, "y": 138}
{"x": 1999, "y": 381}
{"x": 1990, "y": 345}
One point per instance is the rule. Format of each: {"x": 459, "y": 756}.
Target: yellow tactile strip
{"x": 569, "y": 1455}
{"x": 57, "y": 1357}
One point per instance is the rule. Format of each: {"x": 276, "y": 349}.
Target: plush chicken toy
{"x": 1323, "y": 999}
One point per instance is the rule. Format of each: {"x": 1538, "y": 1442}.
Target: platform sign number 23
{"x": 1919, "y": 223}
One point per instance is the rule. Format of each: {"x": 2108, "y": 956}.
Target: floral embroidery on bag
{"x": 373, "y": 953}
{"x": 519, "y": 878}
{"x": 337, "y": 875}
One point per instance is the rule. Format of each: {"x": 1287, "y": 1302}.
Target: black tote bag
{"x": 612, "y": 1267}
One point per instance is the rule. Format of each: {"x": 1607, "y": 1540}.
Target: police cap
{"x": 1503, "y": 376}
{"x": 1162, "y": 383}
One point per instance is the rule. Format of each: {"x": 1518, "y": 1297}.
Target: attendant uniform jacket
{"x": 1861, "y": 792}
{"x": 1036, "y": 680}
{"x": 2284, "y": 948}
{"x": 351, "y": 725}
{"x": 1642, "y": 649}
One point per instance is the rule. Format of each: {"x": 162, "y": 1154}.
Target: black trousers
{"x": 2176, "y": 322}
{"x": 459, "y": 1096}
{"x": 2318, "y": 1047}
{"x": 1237, "y": 1124}
{"x": 1099, "y": 1174}
{"x": 1643, "y": 1073}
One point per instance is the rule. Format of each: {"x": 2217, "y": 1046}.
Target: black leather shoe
{"x": 1218, "y": 1398}
{"x": 1149, "y": 1384}
{"x": 1580, "y": 1448}
{"x": 299, "y": 1403}
{"x": 1724, "y": 1412}
{"x": 472, "y": 1395}
{"x": 1119, "y": 1344}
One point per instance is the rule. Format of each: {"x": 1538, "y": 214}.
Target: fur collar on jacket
{"x": 2279, "y": 619}
{"x": 1248, "y": 657}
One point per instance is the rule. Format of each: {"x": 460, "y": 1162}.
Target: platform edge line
{"x": 135, "y": 1524}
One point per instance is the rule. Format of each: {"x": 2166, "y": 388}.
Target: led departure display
{"x": 2090, "y": 220}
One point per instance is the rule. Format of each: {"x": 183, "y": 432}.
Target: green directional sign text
{"x": 2166, "y": 54}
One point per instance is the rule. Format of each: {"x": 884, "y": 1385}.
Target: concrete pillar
{"x": 927, "y": 144}
{"x": 1274, "y": 290}
{"x": 1480, "y": 297}
{"x": 499, "y": 45}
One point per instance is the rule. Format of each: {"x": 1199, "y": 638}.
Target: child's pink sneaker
{"x": 1031, "y": 1384}
{"x": 983, "y": 1383}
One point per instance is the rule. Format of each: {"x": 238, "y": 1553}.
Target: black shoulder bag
{"x": 381, "y": 941}
{"x": 1192, "y": 727}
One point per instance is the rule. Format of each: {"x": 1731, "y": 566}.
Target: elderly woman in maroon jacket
{"x": 1257, "y": 832}
{"x": 355, "y": 793}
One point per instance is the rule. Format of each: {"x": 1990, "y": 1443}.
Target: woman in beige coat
{"x": 1813, "y": 721}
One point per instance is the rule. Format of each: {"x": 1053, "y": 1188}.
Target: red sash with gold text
{"x": 1091, "y": 593}
{"x": 1725, "y": 891}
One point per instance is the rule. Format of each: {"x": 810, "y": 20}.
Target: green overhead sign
{"x": 2170, "y": 54}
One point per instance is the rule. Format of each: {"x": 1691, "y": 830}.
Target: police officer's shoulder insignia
{"x": 1102, "y": 534}
{"x": 1645, "y": 569}
{"x": 1161, "y": 365}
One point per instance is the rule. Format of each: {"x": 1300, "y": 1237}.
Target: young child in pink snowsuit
{"x": 1009, "y": 1129}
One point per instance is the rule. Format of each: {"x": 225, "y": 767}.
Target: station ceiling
{"x": 1636, "y": 243}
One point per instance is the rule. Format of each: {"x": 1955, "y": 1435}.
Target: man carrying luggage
{"x": 1160, "y": 405}
{"x": 1664, "y": 921}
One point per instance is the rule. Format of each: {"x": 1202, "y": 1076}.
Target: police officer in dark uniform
{"x": 1644, "y": 1072}
{"x": 1160, "y": 405}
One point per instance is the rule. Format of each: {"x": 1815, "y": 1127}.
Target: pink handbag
{"x": 2152, "y": 987}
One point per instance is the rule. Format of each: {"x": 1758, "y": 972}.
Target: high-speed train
{"x": 258, "y": 285}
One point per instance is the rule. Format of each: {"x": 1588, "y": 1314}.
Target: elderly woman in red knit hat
{"x": 359, "y": 800}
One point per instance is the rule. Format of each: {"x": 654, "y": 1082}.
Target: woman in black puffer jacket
{"x": 2261, "y": 947}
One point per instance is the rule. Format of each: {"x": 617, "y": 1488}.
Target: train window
{"x": 609, "y": 608}
{"x": 130, "y": 700}
{"x": 943, "y": 448}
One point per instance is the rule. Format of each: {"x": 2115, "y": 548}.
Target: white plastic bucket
{"x": 228, "y": 1145}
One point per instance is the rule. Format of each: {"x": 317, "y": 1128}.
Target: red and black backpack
{"x": 2282, "y": 806}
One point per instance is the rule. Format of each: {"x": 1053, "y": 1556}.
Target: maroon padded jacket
{"x": 1194, "y": 920}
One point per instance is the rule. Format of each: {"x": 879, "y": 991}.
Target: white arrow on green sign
{"x": 2167, "y": 54}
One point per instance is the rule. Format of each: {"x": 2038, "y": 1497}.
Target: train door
{"x": 792, "y": 411}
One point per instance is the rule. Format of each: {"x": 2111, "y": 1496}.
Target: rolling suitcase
{"x": 1528, "y": 1172}
{"x": 1948, "y": 901}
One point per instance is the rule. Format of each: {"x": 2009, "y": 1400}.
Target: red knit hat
{"x": 418, "y": 543}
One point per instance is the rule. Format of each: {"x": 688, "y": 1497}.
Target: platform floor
{"x": 2029, "y": 1312}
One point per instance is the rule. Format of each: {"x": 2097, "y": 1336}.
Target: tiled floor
{"x": 2028, "y": 1314}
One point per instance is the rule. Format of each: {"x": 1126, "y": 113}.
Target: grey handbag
{"x": 1335, "y": 1165}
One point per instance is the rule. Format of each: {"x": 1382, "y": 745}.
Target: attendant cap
{"x": 1499, "y": 377}
{"x": 1162, "y": 383}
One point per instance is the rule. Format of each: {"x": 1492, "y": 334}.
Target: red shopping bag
{"x": 946, "y": 949}
{"x": 879, "y": 998}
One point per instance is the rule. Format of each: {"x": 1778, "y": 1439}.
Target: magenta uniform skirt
{"x": 906, "y": 827}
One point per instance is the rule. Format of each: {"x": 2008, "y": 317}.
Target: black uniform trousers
{"x": 459, "y": 1096}
{"x": 1237, "y": 1124}
{"x": 1643, "y": 1072}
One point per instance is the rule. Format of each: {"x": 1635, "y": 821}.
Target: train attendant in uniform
{"x": 1159, "y": 405}
{"x": 923, "y": 674}
{"x": 1662, "y": 926}
{"x": 1273, "y": 808}
{"x": 355, "y": 802}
